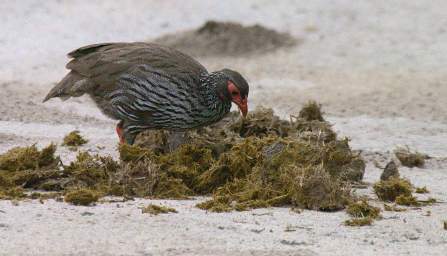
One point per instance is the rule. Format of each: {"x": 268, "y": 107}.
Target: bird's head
{"x": 233, "y": 87}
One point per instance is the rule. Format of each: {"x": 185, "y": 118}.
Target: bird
{"x": 150, "y": 86}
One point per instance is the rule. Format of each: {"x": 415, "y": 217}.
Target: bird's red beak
{"x": 243, "y": 106}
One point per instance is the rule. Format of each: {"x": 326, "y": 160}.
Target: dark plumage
{"x": 148, "y": 86}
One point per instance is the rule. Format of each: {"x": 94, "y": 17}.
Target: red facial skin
{"x": 237, "y": 99}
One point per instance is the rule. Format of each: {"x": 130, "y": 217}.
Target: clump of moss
{"x": 23, "y": 158}
{"x": 74, "y": 139}
{"x": 409, "y": 158}
{"x": 361, "y": 209}
{"x": 87, "y": 171}
{"x": 12, "y": 193}
{"x": 367, "y": 221}
{"x": 315, "y": 189}
{"x": 310, "y": 188}
{"x": 26, "y": 167}
{"x": 158, "y": 209}
{"x": 130, "y": 153}
{"x": 389, "y": 190}
{"x": 145, "y": 179}
{"x": 217, "y": 204}
{"x": 311, "y": 112}
{"x": 422, "y": 190}
{"x": 261, "y": 122}
{"x": 261, "y": 161}
{"x": 362, "y": 213}
{"x": 407, "y": 200}
{"x": 81, "y": 197}
{"x": 154, "y": 140}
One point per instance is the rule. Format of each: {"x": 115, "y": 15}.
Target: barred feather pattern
{"x": 147, "y": 98}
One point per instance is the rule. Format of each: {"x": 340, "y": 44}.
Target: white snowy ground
{"x": 378, "y": 68}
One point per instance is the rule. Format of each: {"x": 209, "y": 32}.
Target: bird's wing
{"x": 151, "y": 98}
{"x": 105, "y": 63}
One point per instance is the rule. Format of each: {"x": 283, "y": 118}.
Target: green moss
{"x": 422, "y": 190}
{"x": 236, "y": 163}
{"x": 86, "y": 171}
{"x": 362, "y": 209}
{"x": 311, "y": 112}
{"x": 409, "y": 158}
{"x": 408, "y": 200}
{"x": 22, "y": 158}
{"x": 81, "y": 197}
{"x": 217, "y": 204}
{"x": 313, "y": 188}
{"x": 130, "y": 153}
{"x": 389, "y": 190}
{"x": 260, "y": 161}
{"x": 13, "y": 193}
{"x": 158, "y": 209}
{"x": 260, "y": 123}
{"x": 74, "y": 139}
{"x": 358, "y": 222}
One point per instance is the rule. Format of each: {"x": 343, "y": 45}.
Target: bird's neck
{"x": 210, "y": 91}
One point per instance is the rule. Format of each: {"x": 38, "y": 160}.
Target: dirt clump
{"x": 153, "y": 209}
{"x": 390, "y": 171}
{"x": 216, "y": 38}
{"x": 409, "y": 158}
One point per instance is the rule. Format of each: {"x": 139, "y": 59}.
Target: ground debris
{"x": 390, "y": 170}
{"x": 260, "y": 161}
{"x": 393, "y": 208}
{"x": 421, "y": 190}
{"x": 362, "y": 209}
{"x": 362, "y": 213}
{"x": 158, "y": 209}
{"x": 216, "y": 38}
{"x": 367, "y": 221}
{"x": 81, "y": 197}
{"x": 23, "y": 158}
{"x": 74, "y": 139}
{"x": 409, "y": 158}
{"x": 390, "y": 189}
{"x": 407, "y": 200}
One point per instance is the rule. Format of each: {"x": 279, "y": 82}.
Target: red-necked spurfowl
{"x": 149, "y": 86}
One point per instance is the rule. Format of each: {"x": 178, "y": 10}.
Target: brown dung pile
{"x": 227, "y": 39}
{"x": 247, "y": 163}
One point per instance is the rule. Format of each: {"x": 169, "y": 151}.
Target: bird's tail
{"x": 72, "y": 85}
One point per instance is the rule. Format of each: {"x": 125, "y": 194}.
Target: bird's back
{"x": 101, "y": 70}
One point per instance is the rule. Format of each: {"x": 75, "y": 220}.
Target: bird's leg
{"x": 119, "y": 131}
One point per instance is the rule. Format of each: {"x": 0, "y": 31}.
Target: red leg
{"x": 119, "y": 131}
